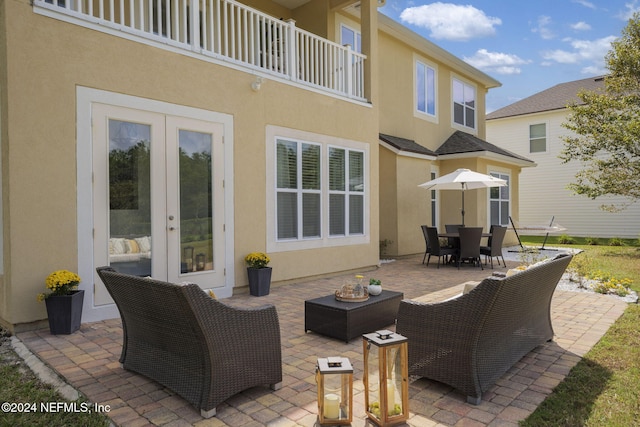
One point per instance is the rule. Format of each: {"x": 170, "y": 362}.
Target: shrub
{"x": 616, "y": 241}
{"x": 591, "y": 241}
{"x": 566, "y": 240}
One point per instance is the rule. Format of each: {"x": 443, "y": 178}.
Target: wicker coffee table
{"x": 348, "y": 320}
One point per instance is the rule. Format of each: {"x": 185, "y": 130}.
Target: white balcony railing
{"x": 231, "y": 32}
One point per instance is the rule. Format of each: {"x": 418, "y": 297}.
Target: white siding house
{"x": 532, "y": 127}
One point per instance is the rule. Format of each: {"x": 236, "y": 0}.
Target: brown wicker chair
{"x": 470, "y": 341}
{"x": 494, "y": 245}
{"x": 202, "y": 349}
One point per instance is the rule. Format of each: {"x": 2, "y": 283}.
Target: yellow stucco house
{"x": 171, "y": 138}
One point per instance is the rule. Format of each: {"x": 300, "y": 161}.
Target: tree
{"x": 606, "y": 127}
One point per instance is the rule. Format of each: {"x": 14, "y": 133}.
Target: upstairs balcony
{"x": 227, "y": 32}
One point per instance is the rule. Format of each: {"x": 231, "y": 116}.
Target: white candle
{"x": 331, "y": 406}
{"x": 391, "y": 397}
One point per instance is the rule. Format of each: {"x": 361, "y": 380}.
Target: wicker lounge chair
{"x": 470, "y": 341}
{"x": 202, "y": 349}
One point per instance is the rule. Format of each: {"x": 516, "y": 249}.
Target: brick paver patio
{"x": 88, "y": 360}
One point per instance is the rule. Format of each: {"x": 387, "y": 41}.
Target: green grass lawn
{"x": 30, "y": 403}
{"x": 603, "y": 389}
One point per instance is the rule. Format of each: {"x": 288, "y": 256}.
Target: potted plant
{"x": 375, "y": 287}
{"x": 259, "y": 274}
{"x": 64, "y": 302}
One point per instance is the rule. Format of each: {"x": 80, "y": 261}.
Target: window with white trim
{"x": 538, "y": 138}
{"x": 346, "y": 192}
{"x": 499, "y": 201}
{"x": 303, "y": 191}
{"x": 298, "y": 190}
{"x": 425, "y": 89}
{"x": 349, "y": 36}
{"x": 464, "y": 104}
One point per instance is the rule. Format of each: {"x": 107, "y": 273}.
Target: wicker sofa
{"x": 470, "y": 341}
{"x": 202, "y": 349}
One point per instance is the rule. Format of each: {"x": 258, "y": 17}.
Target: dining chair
{"x": 426, "y": 242}
{"x": 453, "y": 242}
{"x": 494, "y": 245}
{"x": 470, "y": 245}
{"x": 434, "y": 246}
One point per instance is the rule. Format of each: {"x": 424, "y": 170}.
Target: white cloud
{"x": 497, "y": 62}
{"x": 581, "y": 26}
{"x": 631, "y": 8}
{"x": 591, "y": 52}
{"x": 543, "y": 29}
{"x": 585, "y": 3}
{"x": 450, "y": 21}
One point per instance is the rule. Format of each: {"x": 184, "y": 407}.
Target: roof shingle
{"x": 554, "y": 98}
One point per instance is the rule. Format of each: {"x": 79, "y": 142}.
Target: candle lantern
{"x": 200, "y": 260}
{"x": 334, "y": 376}
{"x": 187, "y": 258}
{"x": 386, "y": 377}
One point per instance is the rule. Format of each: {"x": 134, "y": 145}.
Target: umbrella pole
{"x": 463, "y": 204}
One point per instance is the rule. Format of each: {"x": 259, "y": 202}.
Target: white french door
{"x": 158, "y": 204}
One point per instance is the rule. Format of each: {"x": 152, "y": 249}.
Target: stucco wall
{"x": 48, "y": 59}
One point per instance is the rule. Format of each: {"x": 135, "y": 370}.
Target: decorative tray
{"x": 351, "y": 298}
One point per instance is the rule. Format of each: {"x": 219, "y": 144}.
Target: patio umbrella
{"x": 463, "y": 179}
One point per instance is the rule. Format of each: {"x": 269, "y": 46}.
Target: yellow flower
{"x": 60, "y": 282}
{"x": 257, "y": 260}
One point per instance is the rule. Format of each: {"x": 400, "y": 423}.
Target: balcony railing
{"x": 231, "y": 32}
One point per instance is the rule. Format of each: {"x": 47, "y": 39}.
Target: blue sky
{"x": 528, "y": 46}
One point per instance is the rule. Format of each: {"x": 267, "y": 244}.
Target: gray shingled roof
{"x": 403, "y": 144}
{"x": 462, "y": 142}
{"x": 458, "y": 143}
{"x": 554, "y": 98}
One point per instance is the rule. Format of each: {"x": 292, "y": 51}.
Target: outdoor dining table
{"x": 457, "y": 235}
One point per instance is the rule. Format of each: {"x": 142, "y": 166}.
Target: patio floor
{"x": 88, "y": 361}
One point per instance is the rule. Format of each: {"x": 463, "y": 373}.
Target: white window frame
{"x": 300, "y": 191}
{"x": 357, "y": 37}
{"x": 434, "y": 199}
{"x": 500, "y": 174}
{"x": 273, "y": 133}
{"x": 434, "y": 90}
{"x": 466, "y": 85}
{"x": 546, "y": 138}
{"x": 346, "y": 192}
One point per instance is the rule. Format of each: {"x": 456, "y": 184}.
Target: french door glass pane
{"x": 196, "y": 201}
{"x": 287, "y": 215}
{"x": 129, "y": 197}
{"x": 336, "y": 215}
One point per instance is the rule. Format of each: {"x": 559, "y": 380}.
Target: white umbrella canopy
{"x": 463, "y": 179}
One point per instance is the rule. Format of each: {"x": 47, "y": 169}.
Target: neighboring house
{"x": 532, "y": 127}
{"x": 172, "y": 138}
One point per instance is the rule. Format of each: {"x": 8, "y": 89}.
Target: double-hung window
{"x": 298, "y": 190}
{"x": 499, "y": 202}
{"x": 538, "y": 138}
{"x": 425, "y": 89}
{"x": 464, "y": 104}
{"x": 346, "y": 192}
{"x": 320, "y": 192}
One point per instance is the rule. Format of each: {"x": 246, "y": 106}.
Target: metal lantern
{"x": 334, "y": 376}
{"x": 386, "y": 377}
